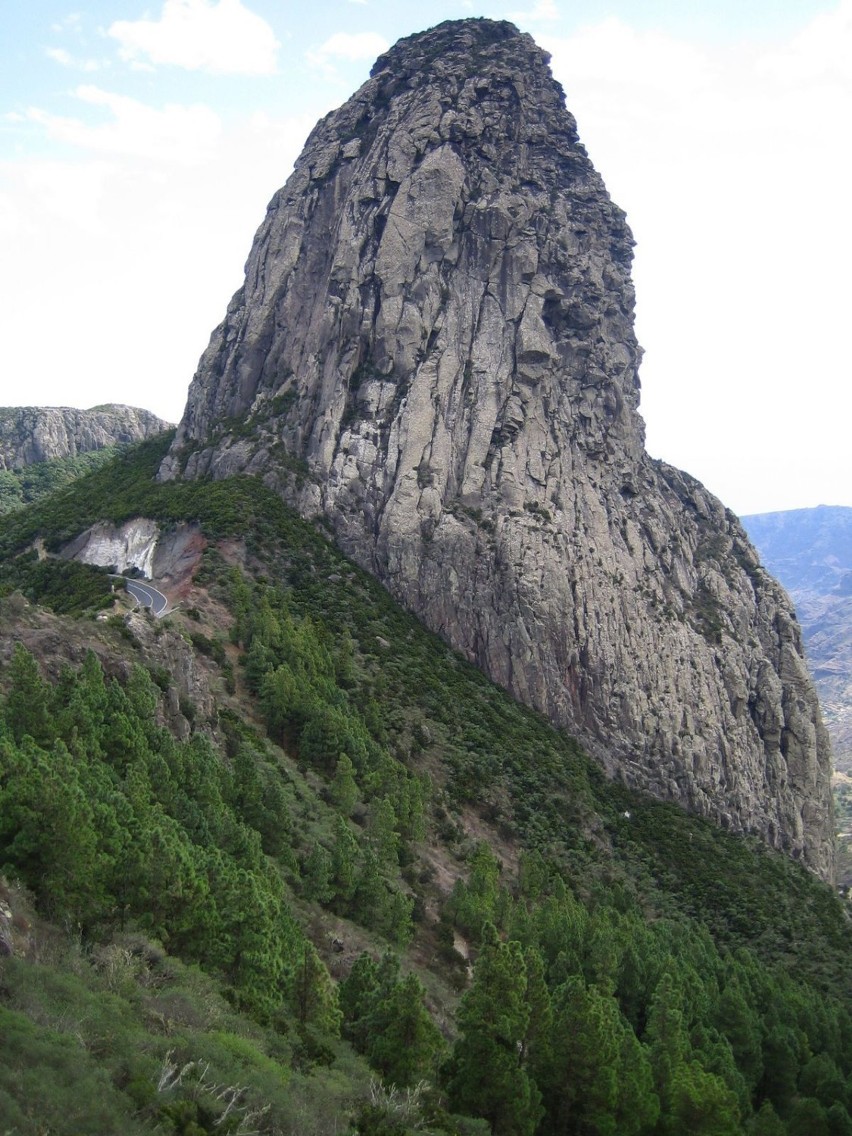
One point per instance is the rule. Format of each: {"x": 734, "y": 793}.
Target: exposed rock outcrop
{"x": 30, "y": 434}
{"x": 434, "y": 350}
{"x": 122, "y": 548}
{"x": 141, "y": 545}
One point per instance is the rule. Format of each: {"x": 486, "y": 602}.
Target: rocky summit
{"x": 434, "y": 353}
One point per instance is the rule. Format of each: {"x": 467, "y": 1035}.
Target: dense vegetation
{"x": 20, "y": 487}
{"x": 843, "y": 811}
{"x": 635, "y": 970}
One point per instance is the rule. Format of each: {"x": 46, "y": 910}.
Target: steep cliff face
{"x": 434, "y": 350}
{"x": 31, "y": 434}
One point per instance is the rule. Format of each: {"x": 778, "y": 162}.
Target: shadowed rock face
{"x": 434, "y": 350}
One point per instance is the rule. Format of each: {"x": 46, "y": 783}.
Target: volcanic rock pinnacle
{"x": 434, "y": 350}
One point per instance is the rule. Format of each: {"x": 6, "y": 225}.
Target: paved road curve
{"x": 148, "y": 596}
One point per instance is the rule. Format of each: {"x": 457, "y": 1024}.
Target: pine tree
{"x": 485, "y": 1076}
{"x": 344, "y": 787}
{"x": 780, "y": 1067}
{"x": 807, "y": 1118}
{"x": 399, "y": 925}
{"x": 475, "y": 902}
{"x": 839, "y": 1120}
{"x": 404, "y": 1041}
{"x": 666, "y": 1038}
{"x": 701, "y": 1104}
{"x": 141, "y": 693}
{"x": 313, "y": 997}
{"x": 383, "y": 832}
{"x": 533, "y": 876}
{"x": 581, "y": 1085}
{"x": 28, "y": 705}
{"x": 820, "y": 1078}
{"x": 344, "y": 861}
{"x": 316, "y": 875}
{"x": 357, "y": 997}
{"x": 537, "y": 1039}
{"x": 370, "y": 901}
{"x": 47, "y": 830}
{"x": 738, "y": 1022}
{"x": 638, "y": 1105}
{"x": 767, "y": 1122}
{"x": 252, "y": 937}
{"x": 713, "y": 1052}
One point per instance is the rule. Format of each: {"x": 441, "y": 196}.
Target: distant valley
{"x": 810, "y": 552}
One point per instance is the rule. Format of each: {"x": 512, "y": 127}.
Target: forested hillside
{"x": 342, "y": 883}
{"x": 19, "y": 487}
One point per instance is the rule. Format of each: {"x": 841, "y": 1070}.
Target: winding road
{"x": 147, "y": 596}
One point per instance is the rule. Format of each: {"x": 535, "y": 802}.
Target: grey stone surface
{"x": 31, "y": 434}
{"x": 434, "y": 350}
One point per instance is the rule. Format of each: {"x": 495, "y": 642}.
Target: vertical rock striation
{"x": 32, "y": 434}
{"x": 434, "y": 350}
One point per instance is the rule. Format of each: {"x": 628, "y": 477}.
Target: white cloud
{"x": 353, "y": 47}
{"x": 542, "y": 10}
{"x": 182, "y": 134}
{"x": 134, "y": 260}
{"x": 821, "y": 51}
{"x": 345, "y": 48}
{"x": 73, "y": 20}
{"x": 201, "y": 35}
{"x": 66, "y": 59}
{"x": 59, "y": 55}
{"x": 727, "y": 161}
{"x": 615, "y": 56}
{"x": 36, "y": 195}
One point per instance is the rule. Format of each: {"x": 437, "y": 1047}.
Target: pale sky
{"x": 141, "y": 141}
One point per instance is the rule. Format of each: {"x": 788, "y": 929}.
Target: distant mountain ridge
{"x": 810, "y": 551}
{"x": 33, "y": 434}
